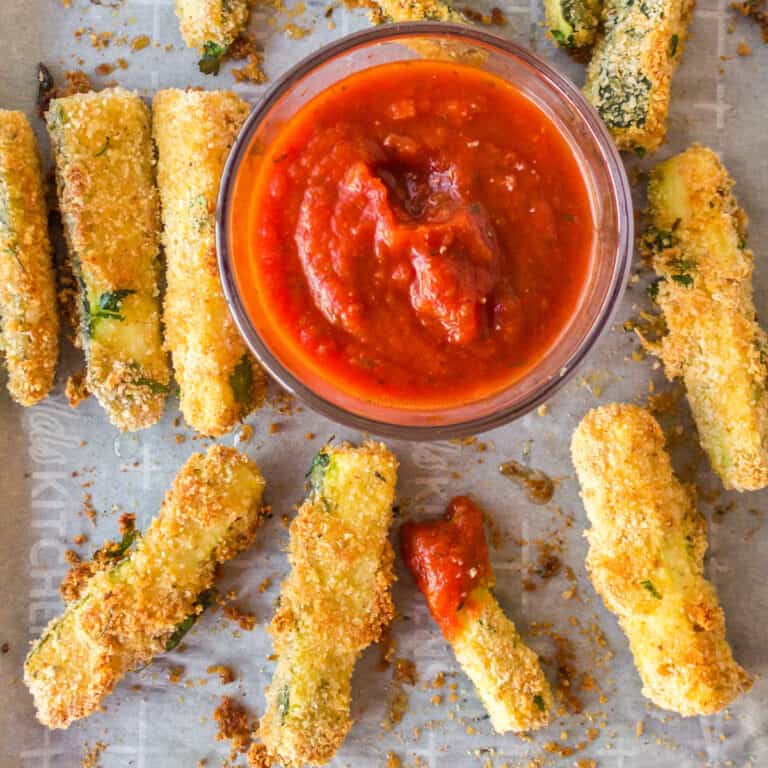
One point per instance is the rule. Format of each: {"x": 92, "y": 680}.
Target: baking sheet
{"x": 50, "y": 452}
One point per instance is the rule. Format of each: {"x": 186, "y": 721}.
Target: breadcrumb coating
{"x": 220, "y": 382}
{"x": 698, "y": 248}
{"x": 646, "y": 560}
{"x": 505, "y": 672}
{"x": 572, "y": 23}
{"x": 335, "y": 602}
{"x": 419, "y": 10}
{"x": 211, "y": 21}
{"x": 630, "y": 73}
{"x": 105, "y": 176}
{"x": 30, "y": 321}
{"x": 141, "y": 606}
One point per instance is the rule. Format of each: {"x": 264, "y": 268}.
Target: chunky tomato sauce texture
{"x": 420, "y": 234}
{"x": 448, "y": 559}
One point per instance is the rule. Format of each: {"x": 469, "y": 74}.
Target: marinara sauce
{"x": 448, "y": 559}
{"x": 417, "y": 235}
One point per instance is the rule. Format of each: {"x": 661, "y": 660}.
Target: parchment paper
{"x": 47, "y": 453}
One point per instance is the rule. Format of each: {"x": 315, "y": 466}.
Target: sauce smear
{"x": 448, "y": 559}
{"x": 418, "y": 235}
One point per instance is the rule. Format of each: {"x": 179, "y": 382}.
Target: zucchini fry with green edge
{"x": 630, "y": 74}
{"x": 212, "y": 26}
{"x": 105, "y": 176}
{"x": 28, "y": 313}
{"x": 220, "y": 381}
{"x": 572, "y": 23}
{"x": 698, "y": 246}
{"x": 335, "y": 602}
{"x": 646, "y": 560}
{"x": 142, "y": 604}
{"x": 448, "y": 559}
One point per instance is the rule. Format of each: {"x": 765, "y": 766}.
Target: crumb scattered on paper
{"x": 244, "y": 619}
{"x": 226, "y": 675}
{"x": 234, "y": 726}
{"x": 76, "y": 389}
{"x": 92, "y": 755}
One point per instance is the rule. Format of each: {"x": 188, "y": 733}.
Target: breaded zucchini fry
{"x": 630, "y": 73}
{"x": 698, "y": 247}
{"x": 211, "y": 26}
{"x": 419, "y": 10}
{"x": 573, "y": 23}
{"x": 449, "y": 562}
{"x": 646, "y": 560}
{"x": 334, "y": 603}
{"x": 143, "y": 604}
{"x": 104, "y": 170}
{"x": 30, "y": 322}
{"x": 220, "y": 382}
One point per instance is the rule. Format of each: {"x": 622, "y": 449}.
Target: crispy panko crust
{"x": 220, "y": 382}
{"x": 211, "y": 21}
{"x": 698, "y": 247}
{"x": 629, "y": 76}
{"x": 335, "y": 602}
{"x": 30, "y": 322}
{"x": 126, "y": 614}
{"x": 505, "y": 671}
{"x": 419, "y": 10}
{"x": 105, "y": 176}
{"x": 646, "y": 560}
{"x": 572, "y": 23}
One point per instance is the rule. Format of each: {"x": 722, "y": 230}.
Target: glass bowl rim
{"x": 620, "y": 192}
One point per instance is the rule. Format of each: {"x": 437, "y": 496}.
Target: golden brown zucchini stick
{"x": 211, "y": 26}
{"x": 630, "y": 74}
{"x": 105, "y": 173}
{"x": 646, "y": 555}
{"x": 220, "y": 382}
{"x": 144, "y": 603}
{"x": 449, "y": 561}
{"x": 698, "y": 247}
{"x": 419, "y": 10}
{"x": 334, "y": 603}
{"x": 30, "y": 322}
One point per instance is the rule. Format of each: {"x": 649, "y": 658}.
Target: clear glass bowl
{"x": 591, "y": 144}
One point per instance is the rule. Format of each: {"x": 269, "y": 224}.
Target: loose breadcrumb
{"x": 234, "y": 726}
{"x": 244, "y": 619}
{"x": 226, "y": 675}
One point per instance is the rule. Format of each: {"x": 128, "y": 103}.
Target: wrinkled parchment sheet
{"x": 50, "y": 452}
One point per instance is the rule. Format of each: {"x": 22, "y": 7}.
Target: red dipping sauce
{"x": 418, "y": 235}
{"x": 448, "y": 559}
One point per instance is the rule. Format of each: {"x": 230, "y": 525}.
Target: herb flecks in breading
{"x": 630, "y": 73}
{"x": 145, "y": 594}
{"x": 646, "y": 560}
{"x": 335, "y": 602}
{"x": 698, "y": 248}
{"x": 220, "y": 381}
